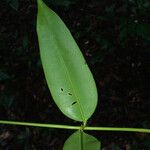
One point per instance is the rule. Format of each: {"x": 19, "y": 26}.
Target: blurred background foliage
{"x": 114, "y": 37}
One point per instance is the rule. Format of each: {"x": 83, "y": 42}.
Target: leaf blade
{"x": 68, "y": 77}
{"x": 81, "y": 141}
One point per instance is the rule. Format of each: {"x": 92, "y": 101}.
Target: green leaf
{"x": 14, "y": 4}
{"x": 143, "y": 30}
{"x": 81, "y": 141}
{"x": 68, "y": 77}
{"x": 3, "y": 76}
{"x": 8, "y": 100}
{"x": 114, "y": 147}
{"x": 25, "y": 42}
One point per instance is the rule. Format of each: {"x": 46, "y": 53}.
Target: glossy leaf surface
{"x": 68, "y": 77}
{"x": 81, "y": 141}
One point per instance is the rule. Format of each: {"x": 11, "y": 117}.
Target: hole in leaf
{"x": 69, "y": 93}
{"x": 74, "y": 102}
{"x": 62, "y": 89}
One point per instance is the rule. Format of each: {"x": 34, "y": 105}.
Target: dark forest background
{"x": 114, "y": 37}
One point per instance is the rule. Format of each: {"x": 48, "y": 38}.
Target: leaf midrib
{"x": 61, "y": 59}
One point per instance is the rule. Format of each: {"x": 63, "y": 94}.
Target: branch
{"x": 75, "y": 127}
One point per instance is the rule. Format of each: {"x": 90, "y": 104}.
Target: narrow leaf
{"x": 3, "y": 76}
{"x": 143, "y": 30}
{"x": 68, "y": 77}
{"x": 81, "y": 141}
{"x": 14, "y": 4}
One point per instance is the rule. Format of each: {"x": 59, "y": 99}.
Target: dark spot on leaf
{"x": 74, "y": 102}
{"x": 62, "y": 89}
{"x": 69, "y": 93}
